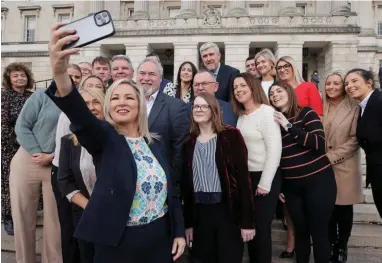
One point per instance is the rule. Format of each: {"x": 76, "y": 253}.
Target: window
{"x": 256, "y": 10}
{"x": 30, "y": 28}
{"x": 130, "y": 12}
{"x": 64, "y": 18}
{"x": 173, "y": 11}
{"x": 301, "y": 8}
{"x": 380, "y": 28}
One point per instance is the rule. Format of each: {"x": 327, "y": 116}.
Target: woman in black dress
{"x": 17, "y": 81}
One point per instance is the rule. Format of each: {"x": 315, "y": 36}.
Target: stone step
{"x": 366, "y": 213}
{"x": 363, "y": 235}
{"x": 368, "y": 196}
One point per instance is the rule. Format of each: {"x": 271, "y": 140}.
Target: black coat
{"x": 225, "y": 78}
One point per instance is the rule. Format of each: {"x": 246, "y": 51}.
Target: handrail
{"x": 44, "y": 80}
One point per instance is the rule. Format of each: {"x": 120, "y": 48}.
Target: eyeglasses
{"x": 203, "y": 84}
{"x": 201, "y": 107}
{"x": 286, "y": 66}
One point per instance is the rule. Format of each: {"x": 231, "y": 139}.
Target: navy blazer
{"x": 225, "y": 78}
{"x": 105, "y": 217}
{"x": 169, "y": 119}
{"x": 229, "y": 117}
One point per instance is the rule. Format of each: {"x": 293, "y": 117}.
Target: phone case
{"x": 89, "y": 31}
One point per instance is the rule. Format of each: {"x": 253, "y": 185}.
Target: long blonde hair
{"x": 143, "y": 125}
{"x": 296, "y": 72}
{"x": 268, "y": 55}
{"x": 96, "y": 93}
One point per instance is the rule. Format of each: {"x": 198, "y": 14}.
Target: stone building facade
{"x": 320, "y": 35}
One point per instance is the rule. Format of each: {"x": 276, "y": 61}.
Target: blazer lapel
{"x": 156, "y": 109}
{"x": 342, "y": 111}
{"x": 220, "y": 73}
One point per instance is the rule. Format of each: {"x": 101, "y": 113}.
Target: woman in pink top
{"x": 307, "y": 93}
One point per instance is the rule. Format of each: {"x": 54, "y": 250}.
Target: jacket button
{"x": 111, "y": 191}
{"x": 330, "y": 147}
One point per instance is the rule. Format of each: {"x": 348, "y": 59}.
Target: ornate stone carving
{"x": 314, "y": 20}
{"x": 264, "y": 21}
{"x": 162, "y": 23}
{"x": 211, "y": 17}
{"x": 25, "y": 54}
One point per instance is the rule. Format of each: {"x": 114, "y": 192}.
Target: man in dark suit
{"x": 168, "y": 116}
{"x": 224, "y": 74}
{"x": 165, "y": 82}
{"x": 204, "y": 81}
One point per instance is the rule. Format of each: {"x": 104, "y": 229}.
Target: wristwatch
{"x": 288, "y": 126}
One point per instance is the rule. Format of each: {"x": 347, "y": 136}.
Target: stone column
{"x": 188, "y": 9}
{"x": 292, "y": 49}
{"x": 237, "y": 8}
{"x": 341, "y": 56}
{"x": 90, "y": 52}
{"x": 321, "y": 70}
{"x": 366, "y": 19}
{"x": 185, "y": 52}
{"x": 340, "y": 8}
{"x": 141, "y": 9}
{"x": 137, "y": 53}
{"x": 236, "y": 53}
{"x": 288, "y": 8}
{"x": 96, "y": 6}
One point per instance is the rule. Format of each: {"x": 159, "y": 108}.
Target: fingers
{"x": 60, "y": 33}
{"x": 178, "y": 247}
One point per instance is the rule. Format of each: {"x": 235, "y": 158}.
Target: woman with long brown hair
{"x": 216, "y": 187}
{"x": 309, "y": 188}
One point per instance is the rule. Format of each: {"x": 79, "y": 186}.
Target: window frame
{"x": 25, "y": 31}
{"x": 256, "y": 6}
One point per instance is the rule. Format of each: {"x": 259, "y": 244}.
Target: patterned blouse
{"x": 150, "y": 196}
{"x": 171, "y": 91}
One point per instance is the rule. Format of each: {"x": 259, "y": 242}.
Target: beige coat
{"x": 343, "y": 150}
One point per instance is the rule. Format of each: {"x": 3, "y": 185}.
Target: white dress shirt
{"x": 150, "y": 102}
{"x": 364, "y": 103}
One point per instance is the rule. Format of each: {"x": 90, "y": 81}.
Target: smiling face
{"x": 278, "y": 97}
{"x": 204, "y": 82}
{"x": 124, "y": 105}
{"x": 334, "y": 87}
{"x": 211, "y": 59}
{"x": 93, "y": 83}
{"x": 201, "y": 111}
{"x": 121, "y": 69}
{"x": 250, "y": 67}
{"x": 149, "y": 78}
{"x": 241, "y": 90}
{"x": 18, "y": 79}
{"x": 284, "y": 71}
{"x": 263, "y": 66}
{"x": 186, "y": 73}
{"x": 357, "y": 87}
{"x": 93, "y": 104}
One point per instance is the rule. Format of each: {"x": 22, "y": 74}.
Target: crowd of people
{"x": 136, "y": 170}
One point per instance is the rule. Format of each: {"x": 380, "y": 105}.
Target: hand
{"x": 43, "y": 159}
{"x": 282, "y": 198}
{"x": 260, "y": 191}
{"x": 178, "y": 247}
{"x": 189, "y": 236}
{"x": 59, "y": 58}
{"x": 280, "y": 119}
{"x": 247, "y": 234}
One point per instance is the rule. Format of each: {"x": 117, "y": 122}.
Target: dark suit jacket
{"x": 232, "y": 164}
{"x": 69, "y": 175}
{"x": 169, "y": 118}
{"x": 229, "y": 117}
{"x": 225, "y": 78}
{"x": 105, "y": 217}
{"x": 369, "y": 129}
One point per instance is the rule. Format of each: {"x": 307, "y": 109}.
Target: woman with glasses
{"x": 308, "y": 188}
{"x": 307, "y": 93}
{"x": 216, "y": 187}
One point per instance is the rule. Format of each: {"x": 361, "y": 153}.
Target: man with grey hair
{"x": 168, "y": 116}
{"x": 165, "y": 83}
{"x": 224, "y": 74}
{"x": 121, "y": 68}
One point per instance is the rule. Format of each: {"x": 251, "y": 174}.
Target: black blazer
{"x": 69, "y": 175}
{"x": 225, "y": 78}
{"x": 105, "y": 217}
{"x": 369, "y": 129}
{"x": 169, "y": 118}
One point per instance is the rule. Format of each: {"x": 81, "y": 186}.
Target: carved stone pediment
{"x": 211, "y": 17}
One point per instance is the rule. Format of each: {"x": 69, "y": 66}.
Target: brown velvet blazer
{"x": 232, "y": 165}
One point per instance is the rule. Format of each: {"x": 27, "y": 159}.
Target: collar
{"x": 216, "y": 72}
{"x": 153, "y": 96}
{"x": 365, "y": 100}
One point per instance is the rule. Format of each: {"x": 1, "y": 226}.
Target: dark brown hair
{"x": 178, "y": 81}
{"x": 216, "y": 115}
{"x": 366, "y": 75}
{"x": 102, "y": 61}
{"x": 258, "y": 94}
{"x": 17, "y": 67}
{"x": 293, "y": 108}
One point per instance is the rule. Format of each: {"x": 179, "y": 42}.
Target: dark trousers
{"x": 374, "y": 175}
{"x": 260, "y": 248}
{"x": 217, "y": 238}
{"x": 86, "y": 249}
{"x": 310, "y": 201}
{"x": 149, "y": 243}
{"x": 340, "y": 225}
{"x": 69, "y": 245}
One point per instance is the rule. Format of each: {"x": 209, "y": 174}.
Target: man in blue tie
{"x": 205, "y": 81}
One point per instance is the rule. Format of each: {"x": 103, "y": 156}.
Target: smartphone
{"x": 90, "y": 29}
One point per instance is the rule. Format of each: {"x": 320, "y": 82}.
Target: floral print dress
{"x": 11, "y": 104}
